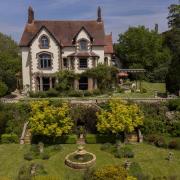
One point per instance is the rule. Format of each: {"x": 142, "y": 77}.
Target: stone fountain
{"x": 80, "y": 159}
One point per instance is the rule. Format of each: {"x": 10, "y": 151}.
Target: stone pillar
{"x": 90, "y": 84}
{"x": 76, "y": 84}
{"x": 50, "y": 82}
{"x": 41, "y": 83}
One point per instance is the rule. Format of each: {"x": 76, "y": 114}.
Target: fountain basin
{"x": 80, "y": 159}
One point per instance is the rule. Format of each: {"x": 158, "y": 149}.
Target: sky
{"x": 118, "y": 15}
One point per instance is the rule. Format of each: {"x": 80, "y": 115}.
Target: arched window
{"x": 83, "y": 45}
{"x": 45, "y": 61}
{"x": 105, "y": 61}
{"x": 44, "y": 42}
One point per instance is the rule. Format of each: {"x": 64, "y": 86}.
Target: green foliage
{"x": 119, "y": 117}
{"x": 174, "y": 105}
{"x": 13, "y": 117}
{"x": 84, "y": 116}
{"x": 155, "y": 120}
{"x": 49, "y": 120}
{"x": 174, "y": 16}
{"x": 173, "y": 76}
{"x": 25, "y": 171}
{"x": 10, "y": 62}
{"x": 75, "y": 93}
{"x": 174, "y": 144}
{"x": 111, "y": 172}
{"x": 105, "y": 75}
{"x": 141, "y": 48}
{"x": 100, "y": 138}
{"x": 124, "y": 152}
{"x": 3, "y": 89}
{"x": 65, "y": 139}
{"x": 9, "y": 138}
{"x": 65, "y": 80}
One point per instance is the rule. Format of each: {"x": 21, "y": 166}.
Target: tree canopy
{"x": 139, "y": 47}
{"x": 119, "y": 117}
{"x": 172, "y": 38}
{"x": 10, "y": 62}
{"x": 50, "y": 120}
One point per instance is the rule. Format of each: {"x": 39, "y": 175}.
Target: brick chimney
{"x": 30, "y": 15}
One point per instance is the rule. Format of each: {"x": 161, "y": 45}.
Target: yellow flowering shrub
{"x": 49, "y": 120}
{"x": 119, "y": 117}
{"x": 110, "y": 172}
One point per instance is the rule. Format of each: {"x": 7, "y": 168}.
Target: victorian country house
{"x": 49, "y": 46}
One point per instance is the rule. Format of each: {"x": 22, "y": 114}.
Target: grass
{"x": 151, "y": 159}
{"x": 150, "y": 87}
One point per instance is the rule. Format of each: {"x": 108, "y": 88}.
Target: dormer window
{"x": 44, "y": 42}
{"x": 83, "y": 45}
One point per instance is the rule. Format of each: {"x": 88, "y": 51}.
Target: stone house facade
{"x": 51, "y": 46}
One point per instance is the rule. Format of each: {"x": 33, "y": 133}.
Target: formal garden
{"x": 56, "y": 127}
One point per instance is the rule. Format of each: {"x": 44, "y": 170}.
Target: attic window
{"x": 83, "y": 45}
{"x": 44, "y": 42}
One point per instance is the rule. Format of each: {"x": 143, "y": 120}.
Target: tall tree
{"x": 172, "y": 38}
{"x": 174, "y": 16}
{"x": 139, "y": 47}
{"x": 10, "y": 62}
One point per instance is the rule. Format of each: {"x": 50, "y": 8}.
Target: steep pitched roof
{"x": 108, "y": 48}
{"x": 64, "y": 31}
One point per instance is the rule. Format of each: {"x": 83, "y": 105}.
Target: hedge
{"x": 9, "y": 138}
{"x": 65, "y": 139}
{"x": 100, "y": 138}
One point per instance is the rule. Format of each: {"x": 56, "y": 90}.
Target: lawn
{"x": 150, "y": 87}
{"x": 151, "y": 159}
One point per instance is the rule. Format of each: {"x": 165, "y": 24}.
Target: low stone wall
{"x": 77, "y": 165}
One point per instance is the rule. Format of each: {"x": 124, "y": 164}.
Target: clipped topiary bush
{"x": 9, "y": 138}
{"x": 124, "y": 152}
{"x": 28, "y": 156}
{"x": 45, "y": 156}
{"x": 3, "y": 89}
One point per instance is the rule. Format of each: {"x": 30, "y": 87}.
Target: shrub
{"x": 45, "y": 156}
{"x": 3, "y": 89}
{"x": 106, "y": 146}
{"x": 88, "y": 93}
{"x": 100, "y": 138}
{"x": 28, "y": 156}
{"x": 97, "y": 92}
{"x": 152, "y": 138}
{"x": 160, "y": 142}
{"x": 119, "y": 153}
{"x": 91, "y": 139}
{"x": 68, "y": 139}
{"x": 110, "y": 172}
{"x": 174, "y": 105}
{"x": 74, "y": 93}
{"x": 9, "y": 138}
{"x": 174, "y": 144}
{"x": 143, "y": 90}
{"x": 40, "y": 94}
{"x": 52, "y": 93}
{"x": 125, "y": 152}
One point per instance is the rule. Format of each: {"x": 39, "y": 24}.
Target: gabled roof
{"x": 108, "y": 48}
{"x": 64, "y": 31}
